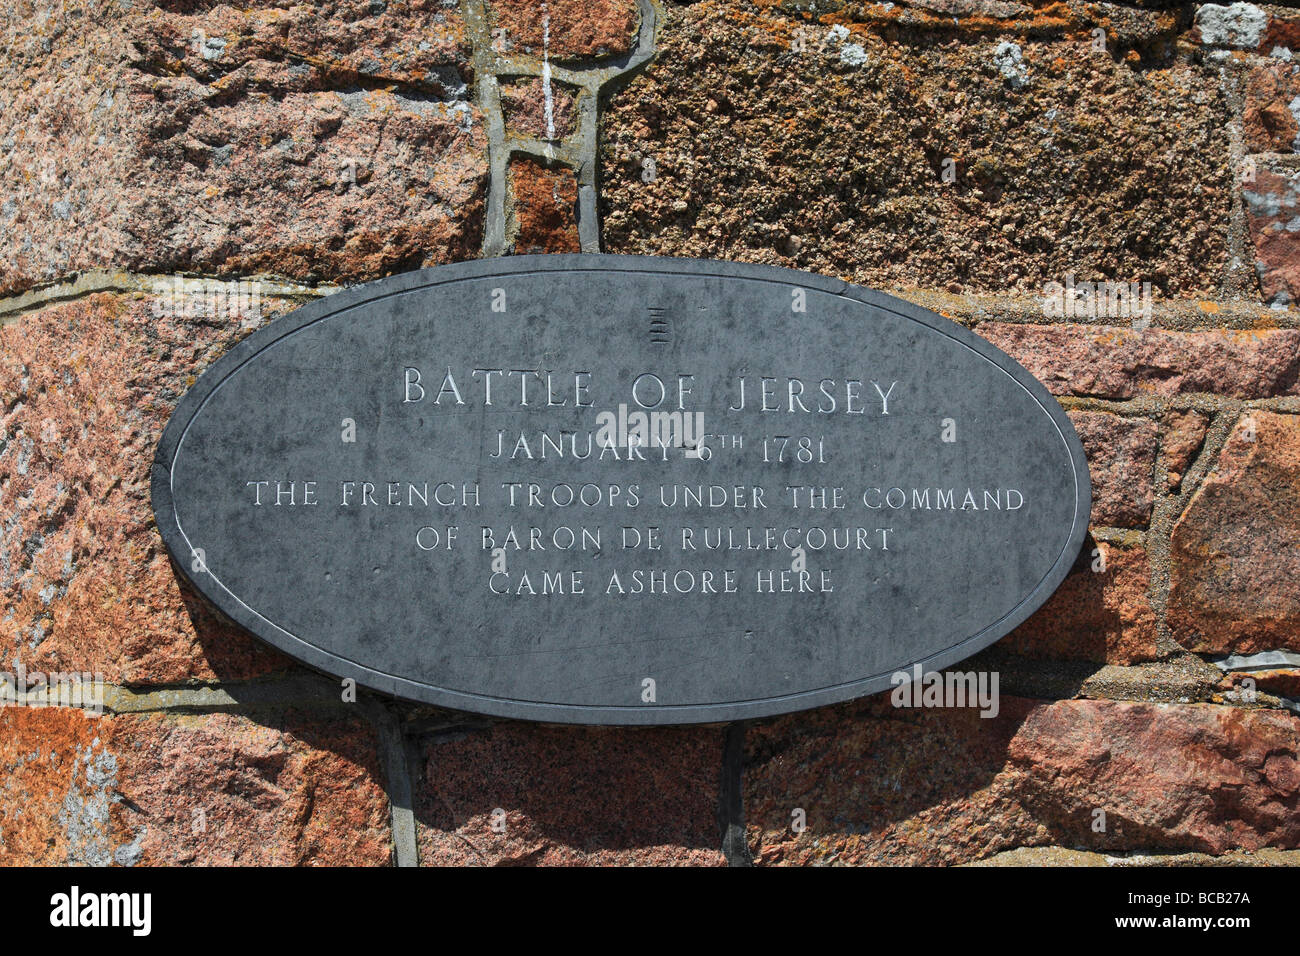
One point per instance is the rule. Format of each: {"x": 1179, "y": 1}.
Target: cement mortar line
{"x": 588, "y": 107}
{"x": 1241, "y": 312}
{"x": 1136, "y": 859}
{"x": 1168, "y": 507}
{"x": 79, "y": 285}
{"x": 543, "y": 150}
{"x": 1164, "y": 512}
{"x": 1127, "y": 537}
{"x": 487, "y": 92}
{"x": 317, "y": 695}
{"x": 1146, "y": 406}
{"x": 1178, "y": 678}
{"x": 1238, "y": 278}
{"x": 1188, "y": 314}
{"x": 1285, "y": 160}
{"x": 1169, "y": 316}
{"x": 306, "y": 691}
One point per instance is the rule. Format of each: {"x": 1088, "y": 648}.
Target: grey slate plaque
{"x": 440, "y": 485}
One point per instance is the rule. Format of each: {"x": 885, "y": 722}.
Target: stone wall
{"x": 178, "y": 173}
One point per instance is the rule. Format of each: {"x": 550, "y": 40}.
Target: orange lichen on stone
{"x": 545, "y": 208}
{"x": 57, "y": 790}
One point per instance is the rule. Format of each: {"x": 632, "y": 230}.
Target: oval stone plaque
{"x": 621, "y": 490}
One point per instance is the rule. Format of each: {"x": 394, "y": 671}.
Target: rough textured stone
{"x": 1283, "y": 31}
{"x": 545, "y": 208}
{"x": 214, "y": 790}
{"x": 565, "y": 29}
{"x": 58, "y": 802}
{"x": 240, "y": 141}
{"x": 1121, "y": 461}
{"x": 1269, "y": 124}
{"x": 1002, "y": 9}
{"x": 1125, "y": 25}
{"x": 420, "y": 43}
{"x": 1102, "y": 612}
{"x": 887, "y": 786}
{"x": 1273, "y": 212}
{"x": 1061, "y": 856}
{"x": 571, "y": 796}
{"x": 339, "y": 142}
{"x": 1235, "y": 552}
{"x": 1239, "y": 25}
{"x": 1117, "y": 363}
{"x": 524, "y": 105}
{"x": 1283, "y": 681}
{"x": 1183, "y": 433}
{"x": 85, "y": 390}
{"x": 223, "y": 790}
{"x": 830, "y": 156}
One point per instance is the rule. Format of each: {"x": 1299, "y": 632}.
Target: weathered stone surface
{"x": 58, "y": 799}
{"x": 1061, "y": 856}
{"x": 1283, "y": 31}
{"x": 240, "y": 141}
{"x": 224, "y": 790}
{"x": 1118, "y": 363}
{"x": 1283, "y": 681}
{"x": 1269, "y": 124}
{"x": 1183, "y": 433}
{"x": 545, "y": 208}
{"x": 1121, "y": 460}
{"x": 416, "y": 42}
{"x": 759, "y": 152}
{"x": 1002, "y": 9}
{"x": 525, "y": 103}
{"x": 884, "y": 786}
{"x": 565, "y": 29}
{"x": 338, "y": 142}
{"x": 571, "y": 796}
{"x": 1235, "y": 552}
{"x": 1124, "y": 25}
{"x": 214, "y": 790}
{"x": 85, "y": 582}
{"x": 1238, "y": 25}
{"x": 1102, "y": 612}
{"x": 1273, "y": 213}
